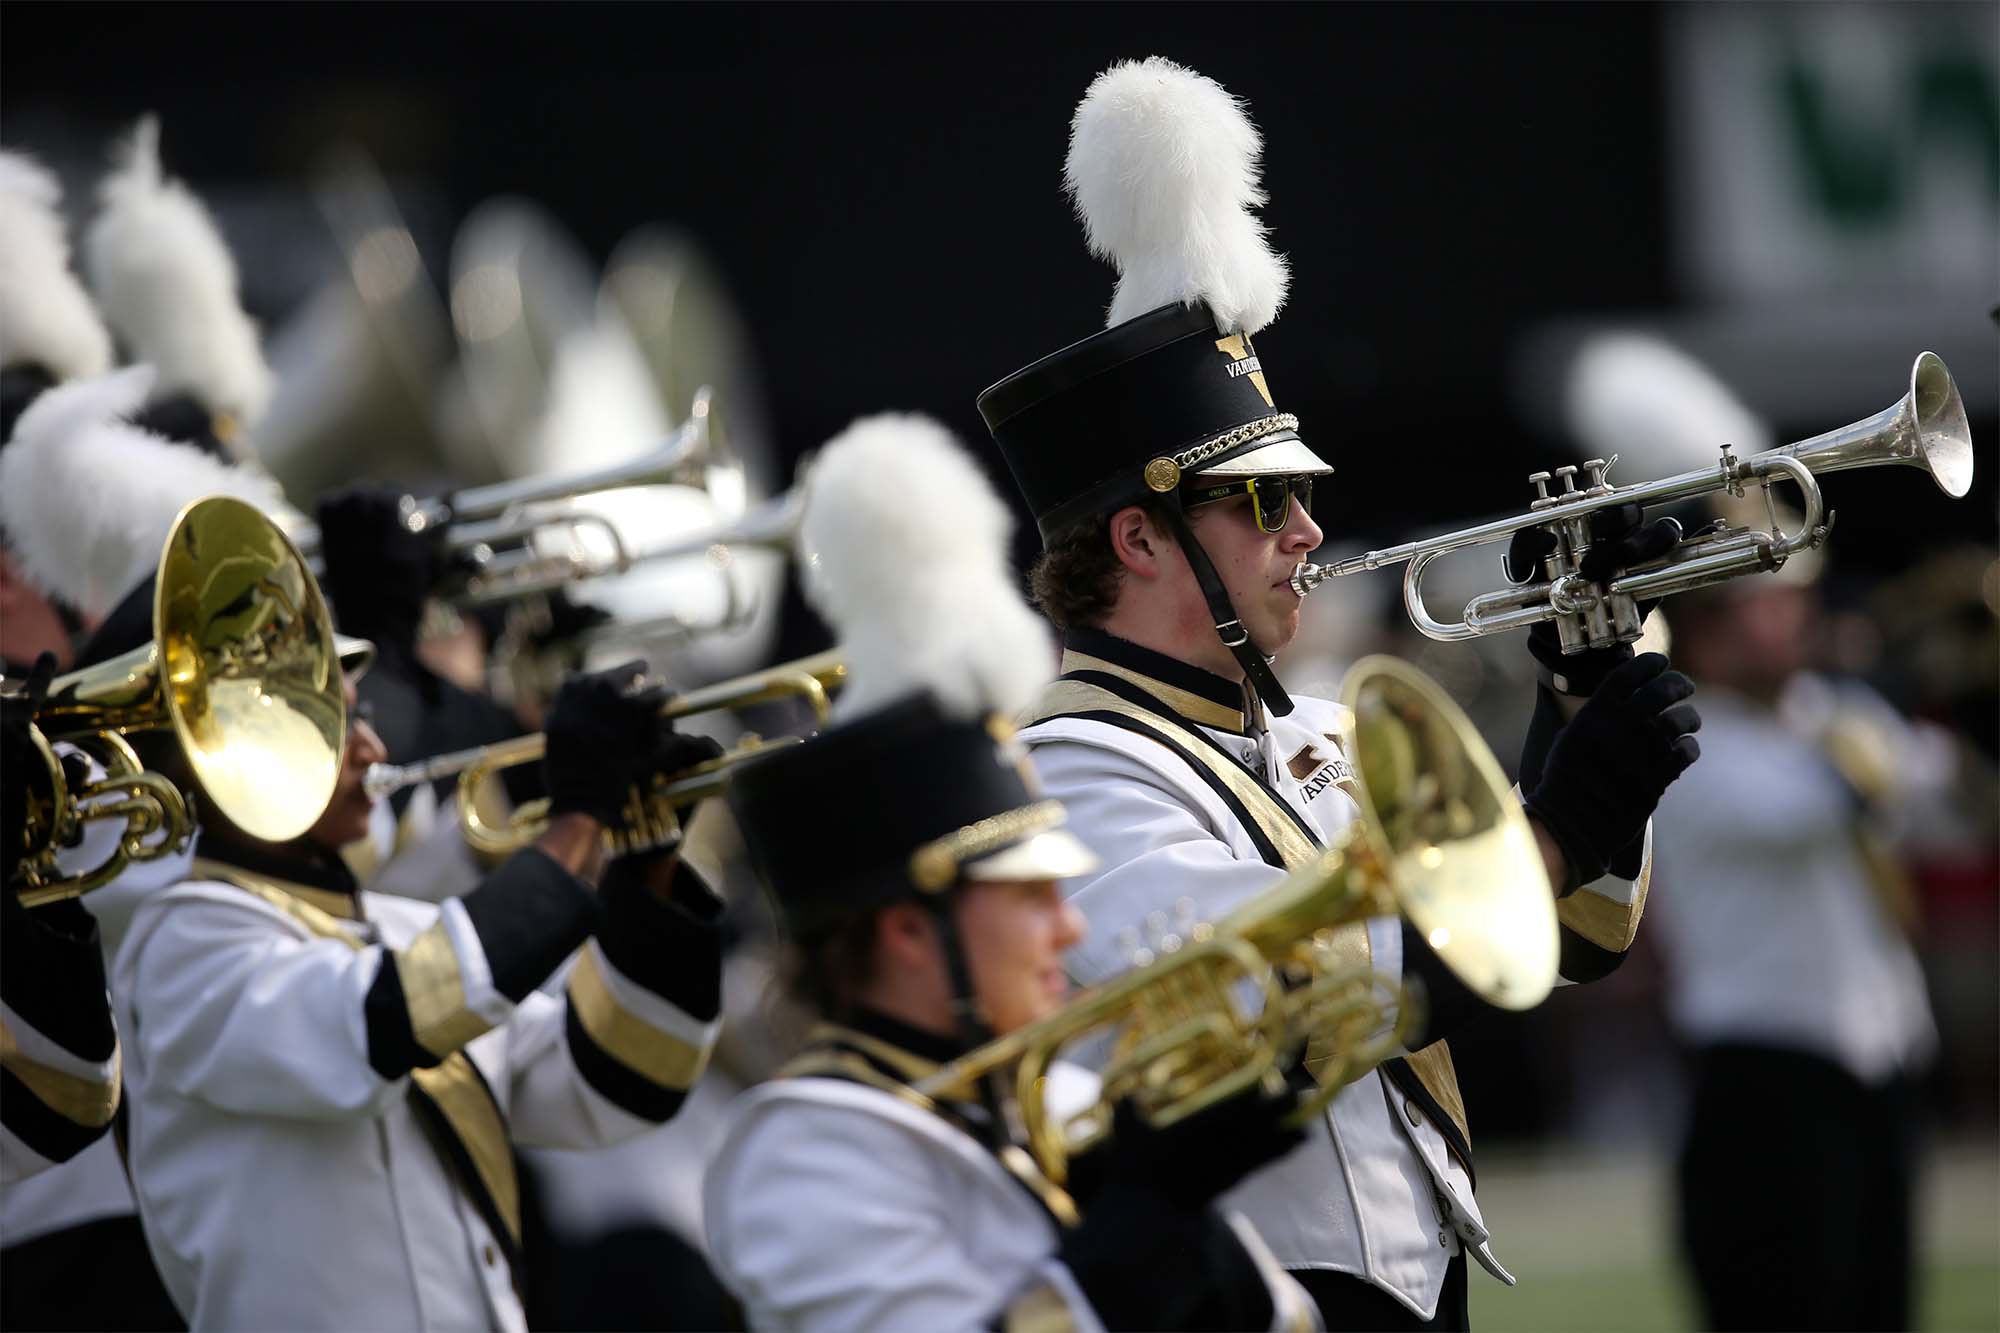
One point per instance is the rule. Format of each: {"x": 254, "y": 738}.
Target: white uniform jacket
{"x": 841, "y": 1200}
{"x": 1161, "y": 777}
{"x": 59, "y": 1062}
{"x": 323, "y": 1083}
{"x": 1777, "y": 929}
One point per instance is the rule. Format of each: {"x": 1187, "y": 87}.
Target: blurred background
{"x": 486, "y": 242}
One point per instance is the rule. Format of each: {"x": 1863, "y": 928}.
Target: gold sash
{"x": 1069, "y": 698}
{"x": 464, "y": 1103}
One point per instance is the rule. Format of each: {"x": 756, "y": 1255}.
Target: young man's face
{"x": 1255, "y": 566}
{"x": 346, "y": 817}
{"x": 1014, "y": 937}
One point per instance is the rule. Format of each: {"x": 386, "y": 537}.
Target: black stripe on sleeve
{"x": 530, "y": 914}
{"x": 1582, "y": 961}
{"x": 615, "y": 1081}
{"x": 673, "y": 949}
{"x": 52, "y": 976}
{"x": 39, "y": 1125}
{"x": 393, "y": 1049}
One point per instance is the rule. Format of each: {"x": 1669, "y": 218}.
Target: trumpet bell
{"x": 1925, "y": 428}
{"x": 1443, "y": 821}
{"x": 242, "y": 669}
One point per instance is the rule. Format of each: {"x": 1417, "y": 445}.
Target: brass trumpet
{"x": 1926, "y": 428}
{"x": 1441, "y": 839}
{"x": 650, "y": 814}
{"x": 243, "y": 669}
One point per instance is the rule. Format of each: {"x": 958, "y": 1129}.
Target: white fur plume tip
{"x": 87, "y": 498}
{"x": 905, "y": 546}
{"x": 167, "y": 283}
{"x": 1664, "y": 412}
{"x": 46, "y": 318}
{"x": 1163, "y": 168}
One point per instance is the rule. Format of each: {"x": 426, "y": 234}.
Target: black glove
{"x": 1608, "y": 766}
{"x": 1620, "y": 538}
{"x": 378, "y": 572}
{"x": 19, "y": 760}
{"x": 605, "y": 737}
{"x": 1192, "y": 1161}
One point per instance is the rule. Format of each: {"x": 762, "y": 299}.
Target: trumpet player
{"x": 1174, "y": 501}
{"x": 917, "y": 872}
{"x": 324, "y": 1084}
{"x": 59, "y": 1067}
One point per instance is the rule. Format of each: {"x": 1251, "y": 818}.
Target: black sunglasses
{"x": 1270, "y": 497}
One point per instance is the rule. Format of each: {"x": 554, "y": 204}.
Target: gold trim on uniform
{"x": 1186, "y": 703}
{"x": 434, "y": 992}
{"x": 455, "y": 1085}
{"x": 824, "y": 1057}
{"x": 1040, "y": 1309}
{"x": 280, "y": 893}
{"x": 469, "y": 1108}
{"x": 1603, "y": 921}
{"x": 935, "y": 865}
{"x": 659, "y": 1056}
{"x": 85, "y": 1101}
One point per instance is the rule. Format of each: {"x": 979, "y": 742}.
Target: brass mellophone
{"x": 244, "y": 670}
{"x": 650, "y": 814}
{"x": 1926, "y": 428}
{"x": 1441, "y": 839}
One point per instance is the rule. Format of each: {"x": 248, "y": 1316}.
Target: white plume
{"x": 1163, "y": 168}
{"x": 905, "y": 547}
{"x": 87, "y": 498}
{"x": 45, "y": 315}
{"x": 1637, "y": 396}
{"x": 167, "y": 283}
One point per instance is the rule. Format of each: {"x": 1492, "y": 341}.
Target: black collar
{"x": 894, "y": 1032}
{"x": 298, "y": 861}
{"x": 1199, "y": 696}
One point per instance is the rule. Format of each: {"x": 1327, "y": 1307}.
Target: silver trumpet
{"x": 1925, "y": 428}
{"x": 476, "y": 521}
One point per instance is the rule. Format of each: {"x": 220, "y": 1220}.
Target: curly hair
{"x": 1075, "y": 581}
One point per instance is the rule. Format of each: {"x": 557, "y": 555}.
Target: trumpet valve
{"x": 1568, "y": 474}
{"x": 1540, "y": 481}
{"x": 1595, "y": 468}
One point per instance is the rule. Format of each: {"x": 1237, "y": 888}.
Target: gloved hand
{"x": 378, "y": 572}
{"x": 1609, "y": 765}
{"x": 606, "y": 737}
{"x": 19, "y": 763}
{"x": 1191, "y": 1162}
{"x": 1620, "y": 538}
{"x": 1152, "y": 1250}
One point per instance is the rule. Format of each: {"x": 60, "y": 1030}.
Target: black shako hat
{"x": 902, "y": 802}
{"x": 1170, "y": 398}
{"x": 1139, "y": 409}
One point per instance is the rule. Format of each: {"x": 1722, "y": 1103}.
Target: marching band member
{"x": 74, "y": 1254}
{"x": 916, "y": 868}
{"x": 292, "y": 1038}
{"x": 1785, "y": 911}
{"x": 1174, "y": 503}
{"x": 59, "y": 1065}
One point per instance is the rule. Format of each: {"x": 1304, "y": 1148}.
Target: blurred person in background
{"x": 74, "y": 1255}
{"x": 1786, "y": 918}
{"x": 1785, "y": 908}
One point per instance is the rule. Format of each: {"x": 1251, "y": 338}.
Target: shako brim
{"x": 1281, "y": 453}
{"x": 1052, "y": 854}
